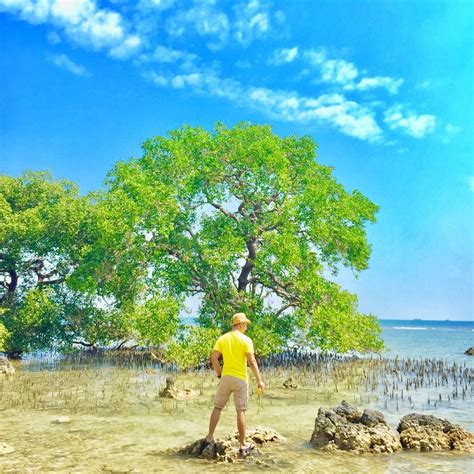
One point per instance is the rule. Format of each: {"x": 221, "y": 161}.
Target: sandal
{"x": 247, "y": 450}
{"x": 205, "y": 443}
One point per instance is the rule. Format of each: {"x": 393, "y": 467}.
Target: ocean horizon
{"x": 419, "y": 338}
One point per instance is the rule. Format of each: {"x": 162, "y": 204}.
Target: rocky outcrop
{"x": 288, "y": 383}
{"x": 470, "y": 351}
{"x": 172, "y": 391}
{"x": 346, "y": 428}
{"x": 6, "y": 366}
{"x": 428, "y": 433}
{"x": 227, "y": 449}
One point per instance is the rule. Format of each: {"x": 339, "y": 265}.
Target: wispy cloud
{"x": 252, "y": 21}
{"x": 336, "y": 71}
{"x": 205, "y": 19}
{"x": 64, "y": 62}
{"x": 244, "y": 23}
{"x": 347, "y": 116}
{"x": 151, "y": 34}
{"x": 80, "y": 20}
{"x": 398, "y": 117}
{"x": 284, "y": 55}
{"x": 367, "y": 83}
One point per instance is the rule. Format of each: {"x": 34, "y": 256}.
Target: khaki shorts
{"x": 228, "y": 385}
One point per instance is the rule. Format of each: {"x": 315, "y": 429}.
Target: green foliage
{"x": 246, "y": 221}
{"x": 191, "y": 347}
{"x": 35, "y": 324}
{"x": 4, "y": 335}
{"x": 44, "y": 236}
{"x": 238, "y": 218}
{"x": 156, "y": 321}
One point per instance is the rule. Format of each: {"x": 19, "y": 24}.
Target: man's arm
{"x": 255, "y": 370}
{"x": 215, "y": 362}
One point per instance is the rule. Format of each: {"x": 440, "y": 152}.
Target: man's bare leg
{"x": 241, "y": 426}
{"x": 215, "y": 416}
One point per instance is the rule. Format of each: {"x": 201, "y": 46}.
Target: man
{"x": 236, "y": 350}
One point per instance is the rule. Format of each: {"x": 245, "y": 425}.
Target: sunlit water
{"x": 440, "y": 339}
{"x": 118, "y": 423}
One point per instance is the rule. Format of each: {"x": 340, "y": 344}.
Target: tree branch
{"x": 284, "y": 308}
{"x": 249, "y": 264}
{"x": 224, "y": 211}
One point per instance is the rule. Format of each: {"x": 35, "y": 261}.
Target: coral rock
{"x": 227, "y": 449}
{"x": 345, "y": 428}
{"x": 428, "y": 433}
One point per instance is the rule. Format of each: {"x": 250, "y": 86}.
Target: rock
{"x": 172, "y": 391}
{"x": 345, "y": 428}
{"x": 470, "y": 351}
{"x": 61, "y": 420}
{"x": 372, "y": 417}
{"x": 428, "y": 433}
{"x": 227, "y": 449}
{"x": 6, "y": 366}
{"x": 288, "y": 383}
{"x": 6, "y": 449}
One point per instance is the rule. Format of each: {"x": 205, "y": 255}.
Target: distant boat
{"x": 417, "y": 319}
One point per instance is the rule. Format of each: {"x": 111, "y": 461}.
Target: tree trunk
{"x": 249, "y": 264}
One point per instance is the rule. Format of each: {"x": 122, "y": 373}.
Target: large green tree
{"x": 45, "y": 232}
{"x": 65, "y": 278}
{"x": 244, "y": 220}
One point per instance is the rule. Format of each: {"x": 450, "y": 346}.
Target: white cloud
{"x": 397, "y": 117}
{"x": 334, "y": 71}
{"x": 64, "y": 62}
{"x": 343, "y": 73}
{"x": 205, "y": 20}
{"x": 163, "y": 54}
{"x": 158, "y": 79}
{"x": 246, "y": 22}
{"x": 338, "y": 71}
{"x": 315, "y": 57}
{"x": 349, "y": 117}
{"x": 135, "y": 36}
{"x": 252, "y": 21}
{"x": 392, "y": 85}
{"x": 284, "y": 55}
{"x": 81, "y": 20}
{"x": 158, "y": 5}
{"x": 183, "y": 80}
{"x": 126, "y": 48}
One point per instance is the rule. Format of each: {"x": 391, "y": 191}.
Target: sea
{"x": 416, "y": 338}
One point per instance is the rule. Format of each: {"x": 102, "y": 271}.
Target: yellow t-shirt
{"x": 234, "y": 346}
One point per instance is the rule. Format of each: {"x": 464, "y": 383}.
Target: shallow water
{"x": 118, "y": 423}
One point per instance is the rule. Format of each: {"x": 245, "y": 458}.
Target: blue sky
{"x": 385, "y": 89}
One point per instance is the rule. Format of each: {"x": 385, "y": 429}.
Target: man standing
{"x": 236, "y": 349}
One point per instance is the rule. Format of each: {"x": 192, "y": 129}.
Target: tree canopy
{"x": 209, "y": 222}
{"x": 244, "y": 220}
